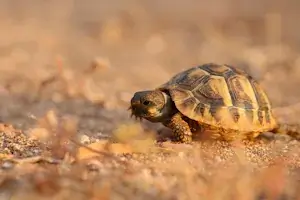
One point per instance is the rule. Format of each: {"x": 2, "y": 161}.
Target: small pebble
{"x": 85, "y": 139}
{"x": 7, "y": 165}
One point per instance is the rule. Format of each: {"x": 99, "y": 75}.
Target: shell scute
{"x": 242, "y": 92}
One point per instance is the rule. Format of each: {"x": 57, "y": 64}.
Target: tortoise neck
{"x": 169, "y": 108}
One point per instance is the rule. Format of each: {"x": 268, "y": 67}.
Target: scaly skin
{"x": 180, "y": 128}
{"x": 292, "y": 130}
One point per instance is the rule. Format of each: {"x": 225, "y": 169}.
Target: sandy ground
{"x": 69, "y": 69}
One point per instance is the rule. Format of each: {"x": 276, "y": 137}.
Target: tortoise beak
{"x": 136, "y": 116}
{"x": 135, "y": 111}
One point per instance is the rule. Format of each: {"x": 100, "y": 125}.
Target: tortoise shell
{"x": 221, "y": 96}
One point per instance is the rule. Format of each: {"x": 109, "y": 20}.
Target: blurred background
{"x": 138, "y": 45}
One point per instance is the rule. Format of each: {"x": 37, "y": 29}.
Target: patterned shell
{"x": 221, "y": 96}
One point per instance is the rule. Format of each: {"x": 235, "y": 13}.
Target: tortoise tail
{"x": 292, "y": 130}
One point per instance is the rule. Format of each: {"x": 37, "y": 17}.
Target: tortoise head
{"x": 152, "y": 105}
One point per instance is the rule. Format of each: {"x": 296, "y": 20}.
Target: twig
{"x": 34, "y": 159}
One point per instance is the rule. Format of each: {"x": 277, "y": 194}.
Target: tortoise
{"x": 219, "y": 98}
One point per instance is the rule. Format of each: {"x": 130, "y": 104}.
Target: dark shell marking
{"x": 221, "y": 96}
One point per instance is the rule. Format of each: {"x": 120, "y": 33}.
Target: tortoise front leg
{"x": 181, "y": 130}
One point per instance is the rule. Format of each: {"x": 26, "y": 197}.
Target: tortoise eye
{"x": 146, "y": 103}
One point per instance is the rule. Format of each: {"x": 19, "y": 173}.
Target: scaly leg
{"x": 292, "y": 130}
{"x": 181, "y": 130}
